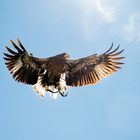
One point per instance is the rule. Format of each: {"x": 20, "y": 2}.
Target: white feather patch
{"x": 39, "y": 88}
{"x": 53, "y": 89}
{"x": 42, "y": 90}
{"x": 62, "y": 83}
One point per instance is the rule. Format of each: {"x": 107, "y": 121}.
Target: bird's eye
{"x": 67, "y": 55}
{"x": 30, "y": 54}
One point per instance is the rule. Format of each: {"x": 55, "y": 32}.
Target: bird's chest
{"x": 55, "y": 69}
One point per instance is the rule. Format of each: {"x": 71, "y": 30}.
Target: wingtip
{"x": 17, "y": 39}
{"x": 109, "y": 48}
{"x": 112, "y": 44}
{"x": 11, "y": 42}
{"x": 4, "y": 54}
{"x": 20, "y": 44}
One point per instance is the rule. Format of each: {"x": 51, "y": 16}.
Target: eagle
{"x": 54, "y": 74}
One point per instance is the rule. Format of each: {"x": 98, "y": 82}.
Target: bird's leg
{"x": 52, "y": 91}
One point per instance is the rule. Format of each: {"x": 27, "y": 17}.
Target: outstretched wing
{"x": 91, "y": 69}
{"x": 23, "y": 66}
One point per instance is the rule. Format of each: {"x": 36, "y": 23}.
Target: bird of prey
{"x": 55, "y": 73}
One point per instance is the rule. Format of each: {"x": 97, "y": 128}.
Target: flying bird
{"x": 55, "y": 73}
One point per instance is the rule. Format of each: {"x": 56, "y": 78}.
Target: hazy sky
{"x": 109, "y": 110}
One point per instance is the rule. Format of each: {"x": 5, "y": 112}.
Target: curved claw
{"x": 63, "y": 94}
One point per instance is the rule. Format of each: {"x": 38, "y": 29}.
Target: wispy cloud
{"x": 131, "y": 29}
{"x": 94, "y": 13}
{"x": 106, "y": 11}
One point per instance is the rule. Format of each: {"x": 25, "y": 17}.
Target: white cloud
{"x": 131, "y": 30}
{"x": 95, "y": 12}
{"x": 106, "y": 11}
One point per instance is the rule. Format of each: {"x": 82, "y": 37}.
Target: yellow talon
{"x": 46, "y": 88}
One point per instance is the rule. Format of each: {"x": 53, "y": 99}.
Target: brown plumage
{"x": 50, "y": 71}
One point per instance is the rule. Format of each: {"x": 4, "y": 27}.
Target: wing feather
{"x": 11, "y": 51}
{"x": 21, "y": 46}
{"x": 91, "y": 69}
{"x": 23, "y": 67}
{"x": 16, "y": 47}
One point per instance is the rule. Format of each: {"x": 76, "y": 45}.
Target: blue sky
{"x": 109, "y": 110}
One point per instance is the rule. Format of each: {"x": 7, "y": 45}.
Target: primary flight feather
{"x": 53, "y": 74}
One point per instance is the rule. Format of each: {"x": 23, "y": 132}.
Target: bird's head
{"x": 62, "y": 56}
{"x": 66, "y": 55}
